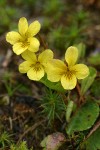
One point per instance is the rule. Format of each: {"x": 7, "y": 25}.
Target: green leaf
{"x": 52, "y": 85}
{"x": 94, "y": 90}
{"x": 69, "y": 110}
{"x": 87, "y": 82}
{"x": 43, "y": 142}
{"x": 84, "y": 117}
{"x": 93, "y": 142}
{"x": 95, "y": 60}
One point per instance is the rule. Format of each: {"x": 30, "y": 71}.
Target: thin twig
{"x": 94, "y": 129}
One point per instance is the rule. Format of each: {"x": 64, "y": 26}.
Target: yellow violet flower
{"x": 35, "y": 66}
{"x": 67, "y": 72}
{"x": 24, "y": 40}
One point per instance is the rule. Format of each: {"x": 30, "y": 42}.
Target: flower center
{"x": 25, "y": 44}
{"x": 69, "y": 73}
{"x": 37, "y": 66}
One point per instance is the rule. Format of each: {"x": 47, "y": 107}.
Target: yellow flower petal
{"x": 71, "y": 55}
{"x": 54, "y": 75}
{"x": 34, "y": 44}
{"x": 30, "y": 56}
{"x": 13, "y": 37}
{"x": 55, "y": 69}
{"x": 34, "y": 28}
{"x": 23, "y": 25}
{"x": 45, "y": 56}
{"x": 81, "y": 71}
{"x": 25, "y": 66}
{"x": 18, "y": 48}
{"x": 56, "y": 63}
{"x": 68, "y": 83}
{"x": 34, "y": 74}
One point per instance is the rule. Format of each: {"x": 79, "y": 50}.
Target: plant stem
{"x": 81, "y": 98}
{"x": 42, "y": 42}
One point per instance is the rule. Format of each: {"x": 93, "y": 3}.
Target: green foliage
{"x": 23, "y": 88}
{"x": 74, "y": 34}
{"x": 93, "y": 142}
{"x": 52, "y": 85}
{"x": 3, "y": 3}
{"x": 27, "y": 2}
{"x": 81, "y": 50}
{"x": 57, "y": 37}
{"x": 87, "y": 82}
{"x": 84, "y": 118}
{"x": 21, "y": 146}
{"x": 53, "y": 7}
{"x": 69, "y": 110}
{"x": 71, "y": 32}
{"x": 95, "y": 89}
{"x": 94, "y": 59}
{"x": 9, "y": 85}
{"x": 53, "y": 106}
{"x": 82, "y": 17}
{"x": 46, "y": 24}
{"x": 62, "y": 36}
{"x": 5, "y": 140}
{"x": 28, "y": 5}
{"x": 7, "y": 13}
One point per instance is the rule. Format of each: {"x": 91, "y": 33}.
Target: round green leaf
{"x": 84, "y": 117}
